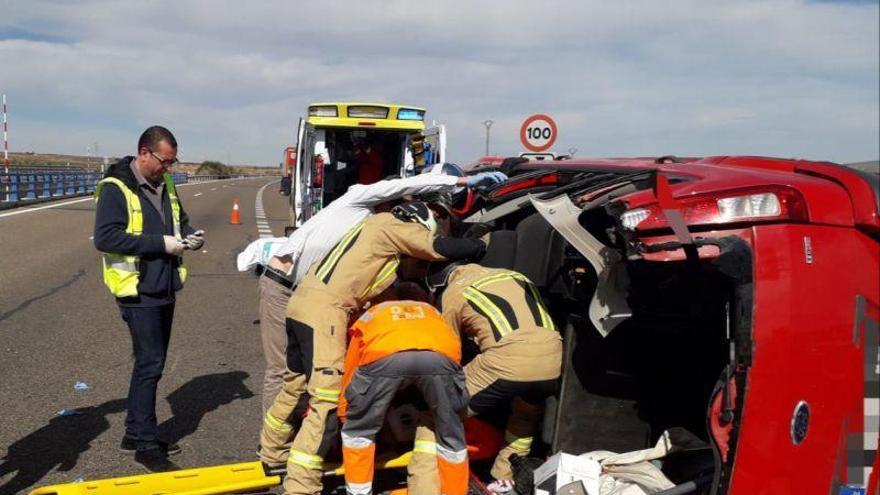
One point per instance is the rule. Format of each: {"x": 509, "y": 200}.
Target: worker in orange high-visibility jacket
{"x": 394, "y": 345}
{"x": 518, "y": 366}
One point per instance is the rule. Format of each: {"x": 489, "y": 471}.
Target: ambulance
{"x": 345, "y": 143}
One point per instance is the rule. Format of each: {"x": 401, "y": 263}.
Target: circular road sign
{"x": 538, "y": 132}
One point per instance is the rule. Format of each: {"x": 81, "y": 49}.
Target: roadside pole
{"x": 5, "y": 182}
{"x": 5, "y": 139}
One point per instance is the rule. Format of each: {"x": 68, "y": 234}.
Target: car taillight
{"x": 544, "y": 180}
{"x": 754, "y": 205}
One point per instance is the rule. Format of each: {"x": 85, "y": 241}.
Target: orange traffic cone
{"x": 235, "y": 218}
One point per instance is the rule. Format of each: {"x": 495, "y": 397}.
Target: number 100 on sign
{"x": 538, "y": 133}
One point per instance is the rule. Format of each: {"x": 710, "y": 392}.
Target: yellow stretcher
{"x": 214, "y": 480}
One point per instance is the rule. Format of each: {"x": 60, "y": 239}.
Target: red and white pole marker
{"x": 5, "y": 139}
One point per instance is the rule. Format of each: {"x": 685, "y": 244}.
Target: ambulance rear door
{"x": 435, "y": 145}
{"x": 301, "y": 199}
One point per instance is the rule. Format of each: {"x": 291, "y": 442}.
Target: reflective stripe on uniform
{"x": 546, "y": 321}
{"x": 308, "y": 461}
{"x": 542, "y": 318}
{"x": 359, "y": 488}
{"x": 425, "y": 447}
{"x": 123, "y": 264}
{"x": 327, "y": 394}
{"x": 489, "y": 309}
{"x": 329, "y": 263}
{"x": 384, "y": 274}
{"x": 452, "y": 456}
{"x": 276, "y": 424}
{"x": 355, "y": 442}
{"x": 175, "y": 203}
{"x": 521, "y": 444}
{"x": 498, "y": 277}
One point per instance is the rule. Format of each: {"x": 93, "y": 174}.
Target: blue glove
{"x": 485, "y": 180}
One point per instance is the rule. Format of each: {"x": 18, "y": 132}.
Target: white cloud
{"x": 783, "y": 77}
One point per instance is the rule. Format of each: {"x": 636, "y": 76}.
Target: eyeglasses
{"x": 165, "y": 162}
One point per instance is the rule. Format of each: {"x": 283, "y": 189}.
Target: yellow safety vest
{"x": 121, "y": 274}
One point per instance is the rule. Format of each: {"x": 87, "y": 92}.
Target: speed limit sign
{"x": 538, "y": 132}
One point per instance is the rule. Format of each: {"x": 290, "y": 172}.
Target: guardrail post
{"x": 69, "y": 185}
{"x": 12, "y": 189}
{"x": 47, "y": 186}
{"x": 31, "y": 190}
{"x": 58, "y": 179}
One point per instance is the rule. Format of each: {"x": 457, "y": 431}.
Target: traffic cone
{"x": 235, "y": 218}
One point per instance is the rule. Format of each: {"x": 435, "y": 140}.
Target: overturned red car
{"x": 733, "y": 297}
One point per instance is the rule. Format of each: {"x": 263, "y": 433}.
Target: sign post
{"x": 538, "y": 133}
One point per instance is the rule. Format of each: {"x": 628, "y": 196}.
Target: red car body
{"x": 804, "y": 392}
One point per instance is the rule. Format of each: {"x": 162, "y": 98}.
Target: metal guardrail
{"x": 26, "y": 186}
{"x": 23, "y": 187}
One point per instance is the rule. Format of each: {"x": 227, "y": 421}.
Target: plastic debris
{"x": 79, "y": 479}
{"x": 69, "y": 412}
{"x": 80, "y": 386}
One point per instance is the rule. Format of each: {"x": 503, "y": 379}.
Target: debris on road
{"x": 80, "y": 386}
{"x": 70, "y": 412}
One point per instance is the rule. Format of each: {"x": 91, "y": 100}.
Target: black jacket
{"x": 159, "y": 279}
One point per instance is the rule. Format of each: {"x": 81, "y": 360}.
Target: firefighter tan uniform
{"x": 394, "y": 345}
{"x": 361, "y": 265}
{"x": 519, "y": 362}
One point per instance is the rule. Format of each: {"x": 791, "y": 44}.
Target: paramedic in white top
{"x": 289, "y": 263}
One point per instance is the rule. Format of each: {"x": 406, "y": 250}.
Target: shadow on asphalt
{"x": 60, "y": 443}
{"x": 196, "y": 398}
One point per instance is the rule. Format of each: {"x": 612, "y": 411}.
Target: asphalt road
{"x": 59, "y": 325}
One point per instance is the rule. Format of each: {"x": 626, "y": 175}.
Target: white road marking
{"x": 262, "y": 224}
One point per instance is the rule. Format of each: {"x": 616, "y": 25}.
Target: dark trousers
{"x": 150, "y": 329}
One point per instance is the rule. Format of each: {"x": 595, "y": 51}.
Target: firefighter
{"x": 394, "y": 345}
{"x": 518, "y": 365}
{"x": 362, "y": 264}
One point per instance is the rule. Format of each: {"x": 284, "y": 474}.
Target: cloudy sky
{"x": 230, "y": 78}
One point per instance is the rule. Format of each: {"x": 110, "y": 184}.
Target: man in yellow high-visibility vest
{"x": 142, "y": 231}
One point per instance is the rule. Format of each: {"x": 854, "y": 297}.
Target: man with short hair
{"x": 143, "y": 231}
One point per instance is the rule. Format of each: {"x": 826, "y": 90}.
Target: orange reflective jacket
{"x": 397, "y": 326}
